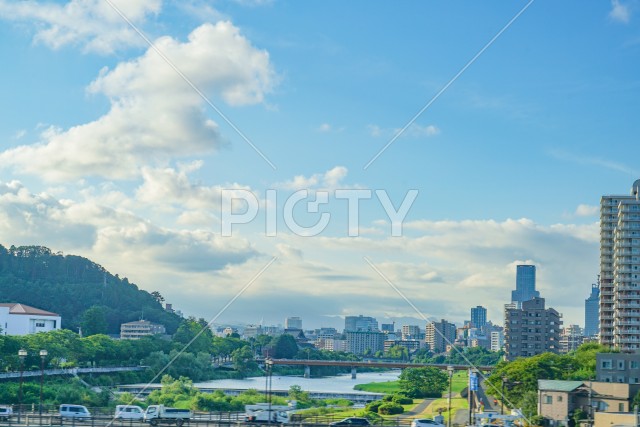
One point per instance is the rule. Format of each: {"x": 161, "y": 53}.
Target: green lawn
{"x": 388, "y": 387}
{"x": 456, "y": 403}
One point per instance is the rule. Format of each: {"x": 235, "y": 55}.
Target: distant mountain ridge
{"x": 70, "y": 284}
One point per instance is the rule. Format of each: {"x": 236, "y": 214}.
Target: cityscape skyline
{"x": 506, "y": 140}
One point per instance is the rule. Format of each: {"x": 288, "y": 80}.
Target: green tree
{"x": 398, "y": 352}
{"x": 423, "y": 382}
{"x": 94, "y": 321}
{"x": 243, "y": 360}
{"x": 284, "y": 347}
{"x": 196, "y": 334}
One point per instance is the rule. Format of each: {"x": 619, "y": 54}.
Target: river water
{"x": 338, "y": 384}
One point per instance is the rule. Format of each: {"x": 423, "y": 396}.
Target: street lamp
{"x": 22, "y": 353}
{"x": 450, "y": 370}
{"x": 504, "y": 381}
{"x": 43, "y": 355}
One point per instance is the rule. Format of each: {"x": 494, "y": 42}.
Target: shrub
{"x": 373, "y": 406}
{"x": 390, "y": 409}
{"x": 402, "y": 399}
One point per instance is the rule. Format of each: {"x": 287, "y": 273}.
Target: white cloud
{"x": 413, "y": 131}
{"x": 110, "y": 235}
{"x": 329, "y": 180}
{"x": 92, "y": 24}
{"x": 324, "y": 127}
{"x": 587, "y": 210}
{"x": 155, "y": 116}
{"x": 619, "y": 12}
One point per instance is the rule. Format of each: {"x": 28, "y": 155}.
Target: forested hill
{"x": 70, "y": 285}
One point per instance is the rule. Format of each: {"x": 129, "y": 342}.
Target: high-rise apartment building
{"x": 531, "y": 330}
{"x": 525, "y": 285}
{"x": 478, "y": 317}
{"x": 620, "y": 270}
{"x": 360, "y": 323}
{"x": 293, "y": 323}
{"x": 439, "y": 335}
{"x": 591, "y": 321}
{"x": 571, "y": 338}
{"x": 411, "y": 332}
{"x": 365, "y": 342}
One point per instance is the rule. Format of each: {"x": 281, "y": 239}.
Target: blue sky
{"x": 106, "y": 152}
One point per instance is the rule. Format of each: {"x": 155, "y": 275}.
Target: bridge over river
{"x": 369, "y": 364}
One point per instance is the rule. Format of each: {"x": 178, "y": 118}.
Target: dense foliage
{"x": 423, "y": 382}
{"x": 520, "y": 377}
{"x": 72, "y": 285}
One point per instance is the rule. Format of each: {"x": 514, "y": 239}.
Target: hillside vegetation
{"x": 70, "y": 285}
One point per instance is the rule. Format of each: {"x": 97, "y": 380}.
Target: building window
{"x": 633, "y": 364}
{"x": 39, "y": 324}
{"x": 621, "y": 365}
{"x": 620, "y": 407}
{"x": 606, "y": 364}
{"x": 559, "y": 399}
{"x": 548, "y": 399}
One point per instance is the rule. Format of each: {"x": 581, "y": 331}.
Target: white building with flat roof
{"x": 21, "y": 319}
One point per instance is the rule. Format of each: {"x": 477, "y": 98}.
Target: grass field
{"x": 388, "y": 387}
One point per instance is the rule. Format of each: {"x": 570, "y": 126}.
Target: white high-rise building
{"x": 620, "y": 270}
{"x": 293, "y": 323}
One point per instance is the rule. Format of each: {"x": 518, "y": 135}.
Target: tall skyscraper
{"x": 525, "y": 285}
{"x": 360, "y": 323}
{"x": 591, "y": 327}
{"x": 620, "y": 270}
{"x": 293, "y": 323}
{"x": 478, "y": 317}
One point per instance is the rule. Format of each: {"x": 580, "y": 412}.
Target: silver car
{"x": 425, "y": 422}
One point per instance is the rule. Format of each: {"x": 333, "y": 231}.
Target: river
{"x": 338, "y": 384}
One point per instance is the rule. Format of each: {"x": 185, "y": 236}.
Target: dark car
{"x": 352, "y": 421}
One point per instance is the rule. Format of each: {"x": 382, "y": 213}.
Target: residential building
{"x": 531, "y": 330}
{"x": 331, "y": 344}
{"x": 439, "y": 335}
{"x": 363, "y": 342}
{"x": 411, "y": 332}
{"x": 360, "y": 323}
{"x": 591, "y": 304}
{"x": 252, "y": 331}
{"x": 497, "y": 340}
{"x": 411, "y": 345}
{"x": 571, "y": 338}
{"x": 478, "y": 317}
{"x": 619, "y": 368}
{"x": 620, "y": 270}
{"x": 388, "y": 328}
{"x": 22, "y": 319}
{"x": 559, "y": 400}
{"x": 525, "y": 285}
{"x": 139, "y": 329}
{"x": 293, "y": 323}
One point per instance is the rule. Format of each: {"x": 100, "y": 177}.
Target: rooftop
{"x": 17, "y": 308}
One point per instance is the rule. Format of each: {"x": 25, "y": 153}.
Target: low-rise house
{"x": 558, "y": 401}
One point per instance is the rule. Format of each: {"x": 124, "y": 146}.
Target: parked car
{"x": 425, "y": 422}
{"x": 5, "y": 412}
{"x": 352, "y": 421}
{"x": 129, "y": 412}
{"x": 74, "y": 411}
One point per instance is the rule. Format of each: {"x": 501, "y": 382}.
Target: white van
{"x": 74, "y": 411}
{"x": 129, "y": 412}
{"x": 5, "y": 412}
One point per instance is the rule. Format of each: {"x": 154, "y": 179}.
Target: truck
{"x": 156, "y": 414}
{"x": 266, "y": 413}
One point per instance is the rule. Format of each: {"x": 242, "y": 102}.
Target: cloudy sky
{"x": 135, "y": 132}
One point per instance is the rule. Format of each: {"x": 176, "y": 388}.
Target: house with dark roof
{"x": 21, "y": 319}
{"x": 558, "y": 400}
